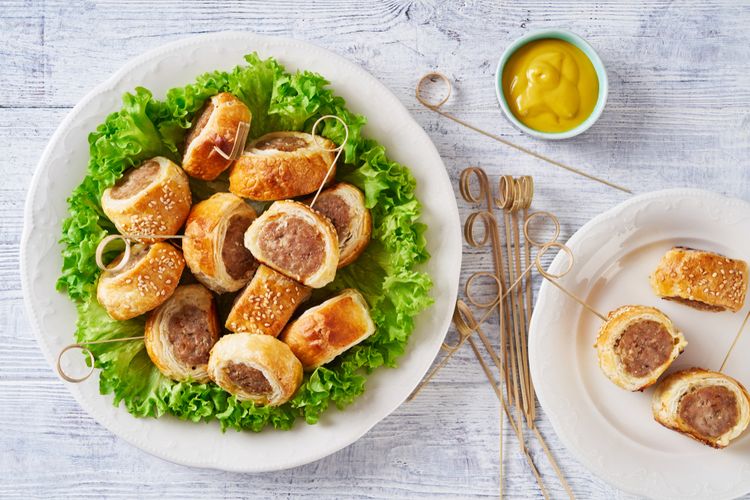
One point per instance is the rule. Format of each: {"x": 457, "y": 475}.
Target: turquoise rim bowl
{"x": 587, "y": 49}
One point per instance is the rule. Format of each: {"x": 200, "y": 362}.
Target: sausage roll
{"x": 282, "y": 165}
{"x": 707, "y": 406}
{"x": 296, "y": 241}
{"x": 703, "y": 280}
{"x": 213, "y": 246}
{"x": 147, "y": 280}
{"x": 181, "y": 332}
{"x": 323, "y": 332}
{"x": 344, "y": 205}
{"x": 636, "y": 345}
{"x": 258, "y": 368}
{"x": 152, "y": 198}
{"x": 215, "y": 125}
{"x": 266, "y": 303}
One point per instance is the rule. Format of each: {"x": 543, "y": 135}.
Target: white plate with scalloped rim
{"x": 62, "y": 167}
{"x": 612, "y": 431}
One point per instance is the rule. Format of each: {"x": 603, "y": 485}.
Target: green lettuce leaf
{"x": 385, "y": 273}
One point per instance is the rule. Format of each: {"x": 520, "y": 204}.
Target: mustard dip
{"x": 550, "y": 85}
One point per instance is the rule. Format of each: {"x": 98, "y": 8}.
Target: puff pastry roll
{"x": 296, "y": 241}
{"x": 282, "y": 165}
{"x": 215, "y": 125}
{"x": 323, "y": 332}
{"x": 148, "y": 279}
{"x": 214, "y": 248}
{"x": 707, "y": 406}
{"x": 152, "y": 198}
{"x": 636, "y": 345}
{"x": 257, "y": 368}
{"x": 266, "y": 303}
{"x": 344, "y": 205}
{"x": 703, "y": 280}
{"x": 181, "y": 332}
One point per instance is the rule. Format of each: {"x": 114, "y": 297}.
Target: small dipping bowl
{"x": 574, "y": 40}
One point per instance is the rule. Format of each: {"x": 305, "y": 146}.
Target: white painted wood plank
{"x": 678, "y": 115}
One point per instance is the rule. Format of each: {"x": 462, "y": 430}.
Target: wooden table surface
{"x": 678, "y": 115}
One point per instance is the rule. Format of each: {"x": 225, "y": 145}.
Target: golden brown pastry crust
{"x": 226, "y": 113}
{"x": 703, "y": 280}
{"x": 266, "y": 303}
{"x": 610, "y": 334}
{"x": 150, "y": 278}
{"x": 272, "y": 174}
{"x": 354, "y": 229}
{"x": 323, "y": 332}
{"x": 160, "y": 207}
{"x": 280, "y": 216}
{"x": 270, "y": 356}
{"x": 670, "y": 391}
{"x": 205, "y": 233}
{"x": 157, "y": 339}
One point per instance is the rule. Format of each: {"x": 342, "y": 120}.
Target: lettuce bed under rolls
{"x": 385, "y": 274}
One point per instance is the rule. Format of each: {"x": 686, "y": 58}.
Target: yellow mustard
{"x": 550, "y": 85}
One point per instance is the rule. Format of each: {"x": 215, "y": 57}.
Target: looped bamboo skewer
{"x": 483, "y": 183}
{"x": 127, "y": 239}
{"x": 491, "y": 228}
{"x": 435, "y": 106}
{"x": 338, "y": 150}
{"x": 515, "y": 194}
{"x": 85, "y": 350}
{"x": 240, "y": 138}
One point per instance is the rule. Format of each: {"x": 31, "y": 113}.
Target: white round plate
{"x": 63, "y": 166}
{"x": 611, "y": 431}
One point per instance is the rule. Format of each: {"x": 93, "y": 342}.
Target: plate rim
{"x": 108, "y": 85}
{"x": 543, "y": 297}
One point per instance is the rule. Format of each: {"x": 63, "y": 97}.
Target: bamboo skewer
{"x": 529, "y": 299}
{"x": 522, "y": 326}
{"x": 466, "y": 319}
{"x": 512, "y": 302}
{"x": 512, "y": 328}
{"x": 436, "y": 108}
{"x": 517, "y": 430}
{"x": 734, "y": 342}
{"x": 490, "y": 224}
{"x": 516, "y": 194}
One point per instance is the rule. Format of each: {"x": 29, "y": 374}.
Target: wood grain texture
{"x": 678, "y": 115}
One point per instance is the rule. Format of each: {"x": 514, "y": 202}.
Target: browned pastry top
{"x": 704, "y": 280}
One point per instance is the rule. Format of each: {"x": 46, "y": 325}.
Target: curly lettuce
{"x": 386, "y": 273}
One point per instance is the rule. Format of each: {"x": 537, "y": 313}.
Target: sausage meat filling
{"x": 710, "y": 411}
{"x": 249, "y": 379}
{"x": 643, "y": 347}
{"x": 338, "y": 212}
{"x": 134, "y": 180}
{"x": 200, "y": 122}
{"x": 238, "y": 260}
{"x": 293, "y": 244}
{"x": 189, "y": 334}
